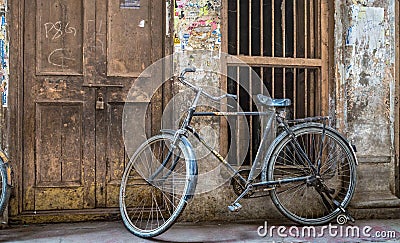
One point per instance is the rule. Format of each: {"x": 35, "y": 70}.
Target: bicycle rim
{"x": 5, "y": 192}
{"x": 303, "y": 201}
{"x": 149, "y": 206}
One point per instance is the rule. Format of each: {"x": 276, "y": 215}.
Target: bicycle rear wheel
{"x": 319, "y": 199}
{"x": 157, "y": 183}
{"x": 4, "y": 187}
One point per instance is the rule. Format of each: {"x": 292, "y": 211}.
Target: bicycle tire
{"x": 303, "y": 202}
{"x": 5, "y": 188}
{"x": 150, "y": 206}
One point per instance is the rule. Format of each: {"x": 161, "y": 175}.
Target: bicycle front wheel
{"x": 319, "y": 199}
{"x": 157, "y": 183}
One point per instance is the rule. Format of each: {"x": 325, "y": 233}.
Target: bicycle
{"x": 309, "y": 170}
{"x": 5, "y": 180}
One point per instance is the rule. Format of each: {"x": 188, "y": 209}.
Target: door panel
{"x": 130, "y": 29}
{"x": 59, "y": 144}
{"x": 58, "y": 114}
{"x": 134, "y": 41}
{"x": 59, "y": 36}
{"x": 76, "y": 53}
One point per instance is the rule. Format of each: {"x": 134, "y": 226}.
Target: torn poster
{"x": 4, "y": 55}
{"x": 197, "y": 25}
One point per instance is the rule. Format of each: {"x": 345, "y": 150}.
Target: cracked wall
{"x": 365, "y": 85}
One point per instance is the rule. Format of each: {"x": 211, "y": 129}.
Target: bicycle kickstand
{"x": 345, "y": 212}
{"x": 236, "y": 206}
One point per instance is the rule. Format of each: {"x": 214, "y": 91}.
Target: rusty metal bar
{"x": 311, "y": 105}
{"x": 305, "y": 29}
{"x": 294, "y": 93}
{"x": 318, "y": 30}
{"x": 250, "y": 30}
{"x": 261, "y": 27}
{"x": 294, "y": 29}
{"x": 238, "y": 28}
{"x": 251, "y": 117}
{"x": 275, "y": 61}
{"x": 273, "y": 26}
{"x": 273, "y": 82}
{"x": 312, "y": 93}
{"x": 283, "y": 9}
{"x": 238, "y": 128}
{"x": 312, "y": 29}
{"x": 306, "y": 92}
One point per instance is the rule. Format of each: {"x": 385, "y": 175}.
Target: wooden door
{"x": 78, "y": 52}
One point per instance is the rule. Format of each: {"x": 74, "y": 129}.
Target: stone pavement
{"x": 114, "y": 231}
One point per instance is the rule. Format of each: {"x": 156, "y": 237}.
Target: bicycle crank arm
{"x": 236, "y": 206}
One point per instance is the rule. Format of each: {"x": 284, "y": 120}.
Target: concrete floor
{"x": 115, "y": 231}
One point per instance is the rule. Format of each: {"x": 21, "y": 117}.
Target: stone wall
{"x": 365, "y": 99}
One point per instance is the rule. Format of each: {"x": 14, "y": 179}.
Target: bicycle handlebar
{"x": 187, "y": 70}
{"x": 182, "y": 79}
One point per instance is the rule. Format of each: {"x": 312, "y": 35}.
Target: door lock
{"x": 100, "y": 103}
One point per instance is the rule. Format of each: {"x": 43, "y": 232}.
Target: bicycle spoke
{"x": 309, "y": 202}
{"x": 152, "y": 207}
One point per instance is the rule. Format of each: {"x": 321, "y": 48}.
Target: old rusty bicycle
{"x": 309, "y": 170}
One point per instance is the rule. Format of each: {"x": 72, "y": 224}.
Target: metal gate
{"x": 285, "y": 43}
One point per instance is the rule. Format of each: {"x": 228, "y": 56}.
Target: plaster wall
{"x": 365, "y": 86}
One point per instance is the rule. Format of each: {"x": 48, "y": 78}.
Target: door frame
{"x": 13, "y": 127}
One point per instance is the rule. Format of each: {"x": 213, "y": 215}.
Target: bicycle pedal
{"x": 235, "y": 207}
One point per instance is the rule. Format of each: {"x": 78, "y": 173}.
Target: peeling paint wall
{"x": 365, "y": 84}
{"x": 4, "y": 54}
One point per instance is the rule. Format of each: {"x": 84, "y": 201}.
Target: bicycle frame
{"x": 185, "y": 127}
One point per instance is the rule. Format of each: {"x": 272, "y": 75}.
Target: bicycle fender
{"x": 295, "y": 128}
{"x": 7, "y": 166}
{"x": 168, "y": 131}
{"x": 9, "y": 173}
{"x": 193, "y": 170}
{"x": 4, "y": 157}
{"x": 192, "y": 167}
{"x": 352, "y": 147}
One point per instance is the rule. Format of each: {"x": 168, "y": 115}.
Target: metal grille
{"x": 282, "y": 41}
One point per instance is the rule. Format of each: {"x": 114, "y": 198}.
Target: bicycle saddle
{"x": 267, "y": 101}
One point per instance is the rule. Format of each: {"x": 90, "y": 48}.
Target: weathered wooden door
{"x": 79, "y": 53}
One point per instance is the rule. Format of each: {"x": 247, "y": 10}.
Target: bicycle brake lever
{"x": 232, "y": 96}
